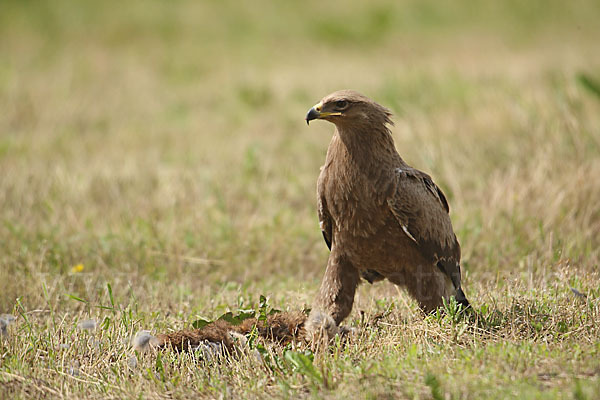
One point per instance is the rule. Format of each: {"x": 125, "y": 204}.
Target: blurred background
{"x": 161, "y": 146}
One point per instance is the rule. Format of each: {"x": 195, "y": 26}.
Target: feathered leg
{"x": 336, "y": 296}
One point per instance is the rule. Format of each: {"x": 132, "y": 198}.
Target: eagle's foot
{"x": 322, "y": 329}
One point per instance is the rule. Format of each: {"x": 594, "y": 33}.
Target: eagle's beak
{"x": 314, "y": 113}
{"x": 317, "y": 113}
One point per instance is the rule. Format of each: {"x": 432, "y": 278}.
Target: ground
{"x": 156, "y": 170}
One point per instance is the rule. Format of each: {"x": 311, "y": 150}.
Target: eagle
{"x": 380, "y": 217}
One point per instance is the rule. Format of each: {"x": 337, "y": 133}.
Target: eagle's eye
{"x": 340, "y": 105}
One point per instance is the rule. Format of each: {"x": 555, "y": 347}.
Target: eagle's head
{"x": 349, "y": 108}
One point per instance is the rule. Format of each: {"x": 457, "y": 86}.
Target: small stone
{"x": 132, "y": 362}
{"x": 8, "y": 318}
{"x": 88, "y": 325}
{"x": 209, "y": 351}
{"x": 74, "y": 368}
{"x": 144, "y": 341}
{"x": 5, "y": 321}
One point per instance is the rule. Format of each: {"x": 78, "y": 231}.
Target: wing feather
{"x": 421, "y": 209}
{"x": 325, "y": 222}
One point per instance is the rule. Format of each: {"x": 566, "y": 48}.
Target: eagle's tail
{"x": 462, "y": 299}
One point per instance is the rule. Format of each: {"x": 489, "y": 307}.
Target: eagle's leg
{"x": 336, "y": 296}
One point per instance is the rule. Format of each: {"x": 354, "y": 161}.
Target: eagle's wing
{"x": 325, "y": 221}
{"x": 421, "y": 209}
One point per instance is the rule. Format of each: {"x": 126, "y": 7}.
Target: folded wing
{"x": 421, "y": 210}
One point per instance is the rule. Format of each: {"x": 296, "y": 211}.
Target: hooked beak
{"x": 312, "y": 114}
{"x": 316, "y": 113}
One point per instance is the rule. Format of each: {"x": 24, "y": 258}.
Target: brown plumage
{"x": 380, "y": 217}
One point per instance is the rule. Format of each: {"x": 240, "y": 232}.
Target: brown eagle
{"x": 380, "y": 217}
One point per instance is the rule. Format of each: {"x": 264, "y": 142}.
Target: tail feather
{"x": 461, "y": 298}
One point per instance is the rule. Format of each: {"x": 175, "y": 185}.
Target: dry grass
{"x": 162, "y": 146}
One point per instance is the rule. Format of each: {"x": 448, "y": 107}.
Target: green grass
{"x": 162, "y": 146}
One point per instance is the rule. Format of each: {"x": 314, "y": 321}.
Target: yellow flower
{"x": 77, "y": 268}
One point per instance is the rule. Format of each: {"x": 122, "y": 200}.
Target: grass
{"x": 156, "y": 170}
